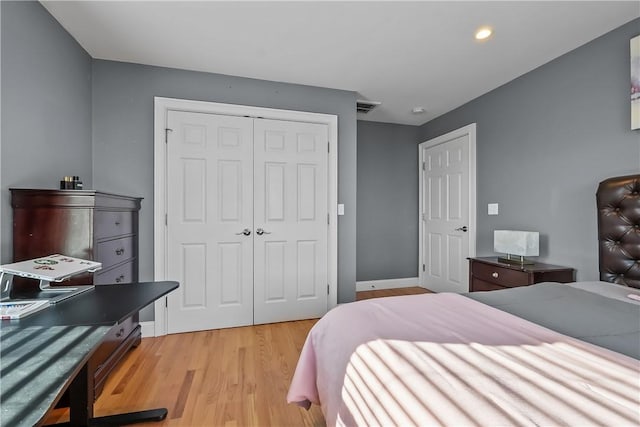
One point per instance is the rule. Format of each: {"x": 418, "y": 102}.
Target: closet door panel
{"x": 210, "y": 203}
{"x": 291, "y": 207}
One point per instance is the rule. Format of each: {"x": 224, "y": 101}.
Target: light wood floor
{"x": 225, "y": 377}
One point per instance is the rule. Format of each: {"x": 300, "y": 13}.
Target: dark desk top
{"x": 104, "y": 305}
{"x": 37, "y": 363}
{"x": 42, "y": 353}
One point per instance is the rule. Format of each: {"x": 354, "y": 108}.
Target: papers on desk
{"x": 52, "y": 268}
{"x": 20, "y": 309}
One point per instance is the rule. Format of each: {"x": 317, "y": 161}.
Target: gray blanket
{"x": 606, "y": 322}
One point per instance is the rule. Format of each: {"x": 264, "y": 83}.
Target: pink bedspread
{"x": 443, "y": 359}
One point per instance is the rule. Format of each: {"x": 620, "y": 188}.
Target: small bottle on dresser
{"x": 71, "y": 183}
{"x": 77, "y": 184}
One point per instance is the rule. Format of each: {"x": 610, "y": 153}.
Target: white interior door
{"x": 447, "y": 220}
{"x": 290, "y": 219}
{"x": 209, "y": 204}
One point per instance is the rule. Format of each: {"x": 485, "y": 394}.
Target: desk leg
{"x": 81, "y": 399}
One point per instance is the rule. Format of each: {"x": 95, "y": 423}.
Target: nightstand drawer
{"x": 503, "y": 277}
{"x": 481, "y": 285}
{"x": 490, "y": 274}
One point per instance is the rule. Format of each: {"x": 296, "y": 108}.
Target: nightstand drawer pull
{"x": 494, "y": 275}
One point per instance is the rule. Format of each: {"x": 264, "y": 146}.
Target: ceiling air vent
{"x": 365, "y": 106}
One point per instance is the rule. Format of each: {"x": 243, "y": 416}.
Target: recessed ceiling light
{"x": 418, "y": 110}
{"x": 483, "y": 33}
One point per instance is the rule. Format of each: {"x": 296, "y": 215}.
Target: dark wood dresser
{"x": 488, "y": 274}
{"x": 85, "y": 224}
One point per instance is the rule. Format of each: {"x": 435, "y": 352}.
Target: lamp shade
{"x": 521, "y": 243}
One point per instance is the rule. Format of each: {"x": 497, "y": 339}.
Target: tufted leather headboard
{"x": 618, "y": 201}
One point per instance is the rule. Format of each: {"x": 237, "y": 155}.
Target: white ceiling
{"x": 404, "y": 54}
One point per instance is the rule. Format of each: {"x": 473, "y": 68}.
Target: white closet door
{"x": 210, "y": 190}
{"x": 290, "y": 187}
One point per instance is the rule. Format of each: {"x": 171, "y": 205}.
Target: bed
{"x": 547, "y": 354}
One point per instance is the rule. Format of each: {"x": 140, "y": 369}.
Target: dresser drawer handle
{"x": 120, "y": 251}
{"x": 494, "y": 275}
{"x": 117, "y": 222}
{"x": 120, "y": 278}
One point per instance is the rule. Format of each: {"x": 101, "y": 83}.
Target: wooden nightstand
{"x": 487, "y": 274}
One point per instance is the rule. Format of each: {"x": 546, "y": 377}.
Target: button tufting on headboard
{"x": 618, "y": 201}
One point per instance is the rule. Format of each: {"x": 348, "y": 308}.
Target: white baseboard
{"x": 369, "y": 285}
{"x": 148, "y": 329}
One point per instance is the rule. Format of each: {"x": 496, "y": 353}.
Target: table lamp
{"x": 516, "y": 245}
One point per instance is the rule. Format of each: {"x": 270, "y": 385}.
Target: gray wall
{"x": 387, "y": 237}
{"x": 545, "y": 141}
{"x": 123, "y": 138}
{"x": 50, "y": 87}
{"x": 46, "y": 106}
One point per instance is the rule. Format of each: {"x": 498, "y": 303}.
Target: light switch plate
{"x": 492, "y": 209}
{"x": 340, "y": 208}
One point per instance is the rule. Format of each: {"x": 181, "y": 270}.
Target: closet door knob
{"x": 246, "y": 232}
{"x": 260, "y": 232}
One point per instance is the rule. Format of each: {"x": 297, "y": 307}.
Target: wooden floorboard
{"x": 224, "y": 377}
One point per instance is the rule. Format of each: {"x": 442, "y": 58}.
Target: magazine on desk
{"x": 19, "y": 309}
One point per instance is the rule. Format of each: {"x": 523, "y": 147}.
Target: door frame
{"x": 465, "y": 130}
{"x": 162, "y": 106}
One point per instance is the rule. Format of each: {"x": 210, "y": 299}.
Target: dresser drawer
{"x": 112, "y": 223}
{"x": 501, "y": 276}
{"x": 121, "y": 274}
{"x": 114, "y": 252}
{"x": 113, "y": 340}
{"x": 124, "y": 336}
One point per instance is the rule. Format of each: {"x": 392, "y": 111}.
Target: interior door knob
{"x": 246, "y": 232}
{"x": 463, "y": 228}
{"x": 260, "y": 232}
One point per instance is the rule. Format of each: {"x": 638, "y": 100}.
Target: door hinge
{"x": 424, "y": 216}
{"x": 424, "y": 267}
{"x": 327, "y": 289}
{"x": 424, "y": 166}
{"x": 166, "y": 302}
{"x": 166, "y": 219}
{"x": 166, "y": 135}
{"x": 328, "y": 146}
{"x": 328, "y": 218}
